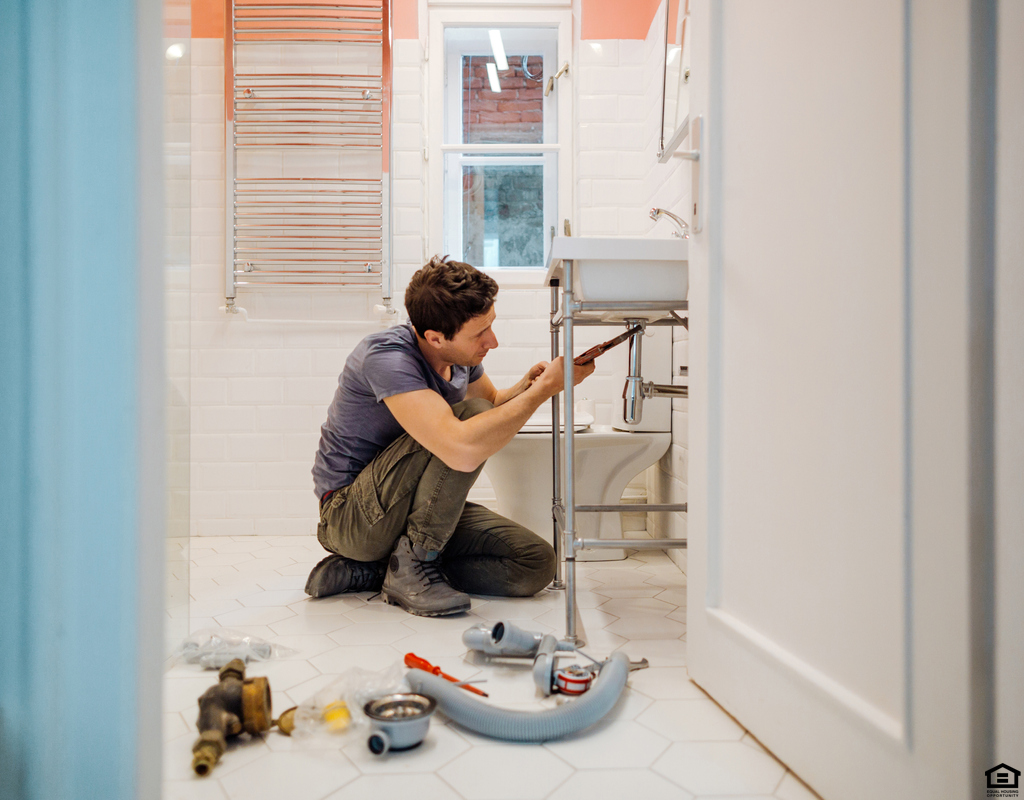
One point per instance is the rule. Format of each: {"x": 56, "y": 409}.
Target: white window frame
{"x": 499, "y": 17}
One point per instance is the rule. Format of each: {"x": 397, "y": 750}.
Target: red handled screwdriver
{"x": 415, "y": 662}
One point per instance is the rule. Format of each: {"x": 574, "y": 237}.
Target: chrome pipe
{"x": 632, "y": 392}
{"x": 665, "y": 390}
{"x": 634, "y": 507}
{"x": 630, "y": 544}
{"x": 629, "y": 305}
{"x": 569, "y": 461}
{"x": 556, "y": 488}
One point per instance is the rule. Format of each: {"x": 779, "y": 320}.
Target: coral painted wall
{"x": 617, "y": 19}
{"x": 208, "y": 18}
{"x": 404, "y": 19}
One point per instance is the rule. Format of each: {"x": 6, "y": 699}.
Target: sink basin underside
{"x": 622, "y": 269}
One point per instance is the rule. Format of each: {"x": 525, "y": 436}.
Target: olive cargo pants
{"x": 406, "y": 489}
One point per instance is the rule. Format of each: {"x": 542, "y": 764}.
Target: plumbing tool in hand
{"x": 413, "y": 661}
{"x": 604, "y": 347}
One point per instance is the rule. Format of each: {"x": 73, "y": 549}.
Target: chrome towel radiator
{"x": 308, "y": 105}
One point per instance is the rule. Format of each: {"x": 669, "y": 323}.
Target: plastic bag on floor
{"x": 212, "y": 648}
{"x": 337, "y": 709}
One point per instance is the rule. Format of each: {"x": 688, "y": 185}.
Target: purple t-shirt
{"x": 359, "y": 424}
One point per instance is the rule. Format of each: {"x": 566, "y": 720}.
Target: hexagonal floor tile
{"x": 262, "y": 598}
{"x": 195, "y": 789}
{"x": 792, "y": 788}
{"x": 336, "y": 604}
{"x": 624, "y": 783}
{"x": 509, "y": 772}
{"x": 658, "y": 652}
{"x": 457, "y": 623}
{"x": 380, "y": 633}
{"x": 593, "y": 618}
{"x": 613, "y": 592}
{"x": 600, "y": 643}
{"x": 282, "y": 675}
{"x": 276, "y": 582}
{"x": 647, "y": 627}
{"x": 377, "y": 612}
{"x": 419, "y": 787}
{"x": 674, "y": 596}
{"x": 371, "y": 657}
{"x": 297, "y": 554}
{"x": 300, "y": 624}
{"x": 691, "y": 721}
{"x": 710, "y": 768}
{"x": 297, "y": 776}
{"x": 666, "y": 683}
{"x": 434, "y": 645}
{"x": 305, "y": 646}
{"x": 640, "y": 606}
{"x": 217, "y": 559}
{"x": 617, "y": 577}
{"x": 630, "y": 705}
{"x": 620, "y": 745}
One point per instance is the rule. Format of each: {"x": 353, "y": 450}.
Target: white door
{"x": 829, "y": 545}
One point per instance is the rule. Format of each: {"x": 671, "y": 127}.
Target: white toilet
{"x": 607, "y": 457}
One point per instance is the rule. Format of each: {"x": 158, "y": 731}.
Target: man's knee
{"x": 536, "y": 568}
{"x": 472, "y": 407}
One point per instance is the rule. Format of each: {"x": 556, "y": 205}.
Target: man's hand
{"x": 464, "y": 444}
{"x": 534, "y": 372}
{"x": 504, "y": 395}
{"x": 551, "y": 379}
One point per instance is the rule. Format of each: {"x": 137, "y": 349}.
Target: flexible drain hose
{"x": 526, "y": 726}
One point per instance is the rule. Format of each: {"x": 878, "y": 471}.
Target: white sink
{"x": 622, "y": 268}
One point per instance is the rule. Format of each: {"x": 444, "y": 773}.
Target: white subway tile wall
{"x": 260, "y": 388}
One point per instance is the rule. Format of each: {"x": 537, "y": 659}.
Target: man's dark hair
{"x": 444, "y": 295}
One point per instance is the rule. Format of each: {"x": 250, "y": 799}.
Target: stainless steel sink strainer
{"x": 398, "y": 721}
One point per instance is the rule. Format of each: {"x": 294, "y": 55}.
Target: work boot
{"x": 337, "y": 574}
{"x": 414, "y": 582}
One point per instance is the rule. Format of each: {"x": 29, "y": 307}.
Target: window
{"x": 500, "y": 140}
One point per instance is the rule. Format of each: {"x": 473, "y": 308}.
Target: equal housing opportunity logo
{"x": 1002, "y": 781}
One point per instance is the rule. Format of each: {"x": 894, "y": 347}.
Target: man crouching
{"x": 412, "y": 422}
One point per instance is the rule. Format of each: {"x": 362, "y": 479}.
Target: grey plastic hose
{"x": 526, "y": 726}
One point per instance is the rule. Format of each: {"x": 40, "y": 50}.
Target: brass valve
{"x": 233, "y": 705}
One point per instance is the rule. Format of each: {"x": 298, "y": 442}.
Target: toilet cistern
{"x": 682, "y": 227}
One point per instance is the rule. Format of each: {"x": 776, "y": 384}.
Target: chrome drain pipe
{"x": 633, "y": 391}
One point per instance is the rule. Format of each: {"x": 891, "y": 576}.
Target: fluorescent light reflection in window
{"x": 492, "y": 76}
{"x": 498, "y": 48}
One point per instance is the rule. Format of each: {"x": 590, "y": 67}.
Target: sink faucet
{"x": 682, "y": 230}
